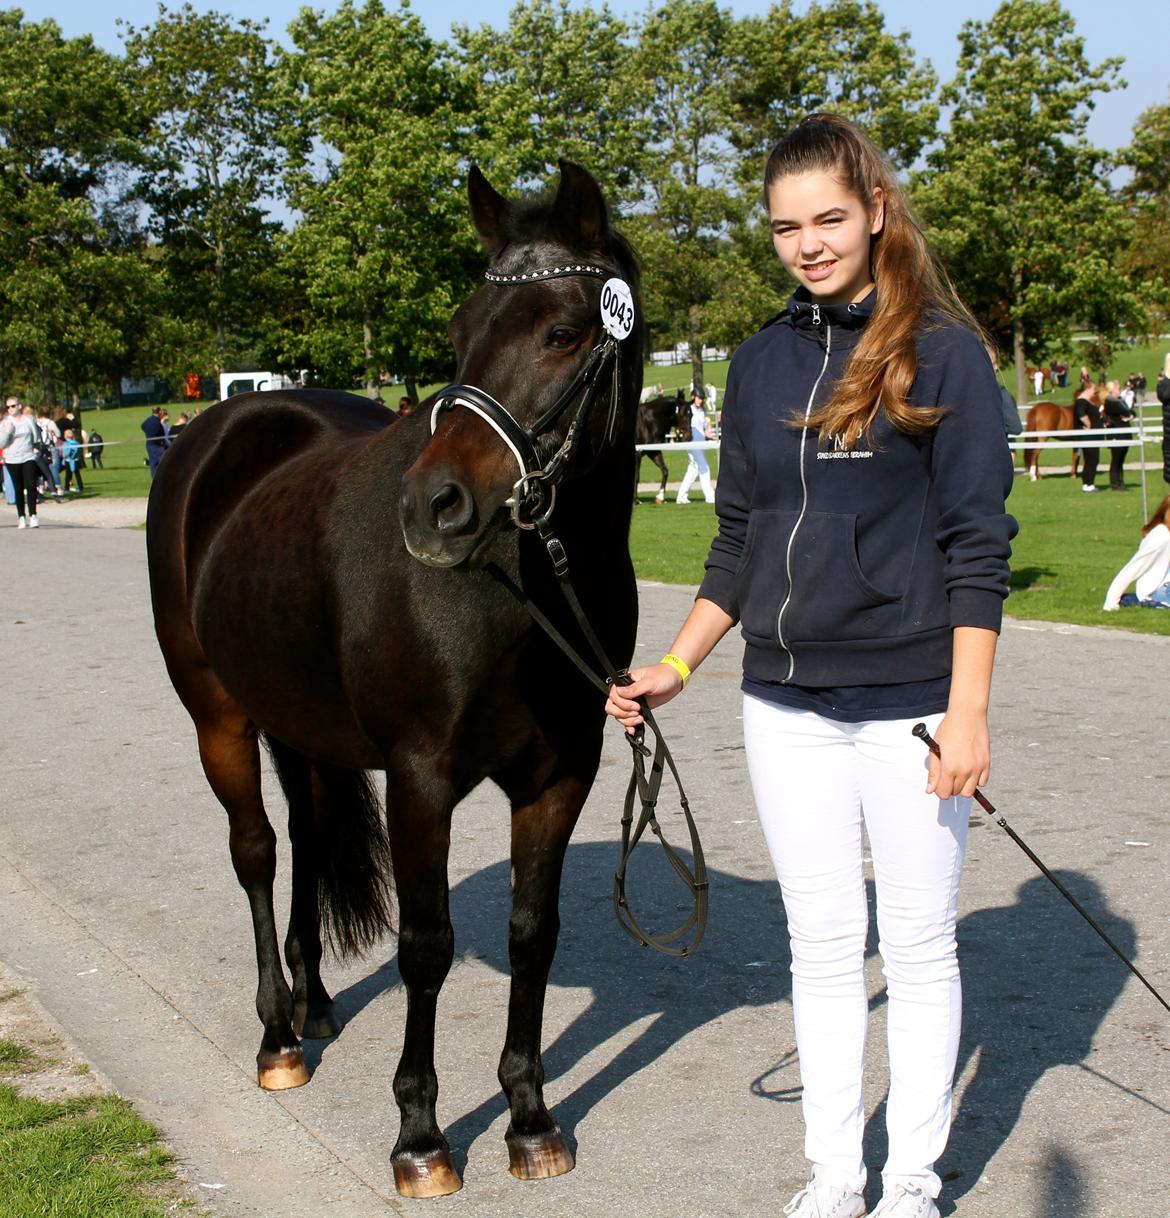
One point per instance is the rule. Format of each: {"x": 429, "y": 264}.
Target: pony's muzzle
{"x": 440, "y": 523}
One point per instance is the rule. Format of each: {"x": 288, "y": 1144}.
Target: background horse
{"x": 1046, "y": 416}
{"x": 658, "y": 419}
{"x": 318, "y": 582}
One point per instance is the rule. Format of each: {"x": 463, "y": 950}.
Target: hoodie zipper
{"x": 816, "y": 318}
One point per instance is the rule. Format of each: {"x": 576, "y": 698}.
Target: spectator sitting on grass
{"x": 1149, "y": 567}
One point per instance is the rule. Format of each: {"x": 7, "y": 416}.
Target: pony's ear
{"x": 581, "y": 207}
{"x": 487, "y": 211}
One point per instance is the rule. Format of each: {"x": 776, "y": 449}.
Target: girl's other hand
{"x": 657, "y": 684}
{"x": 965, "y": 745}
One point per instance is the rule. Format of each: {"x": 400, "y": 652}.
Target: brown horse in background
{"x": 1047, "y": 416}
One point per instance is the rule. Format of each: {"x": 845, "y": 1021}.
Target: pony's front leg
{"x": 419, "y": 844}
{"x": 540, "y": 835}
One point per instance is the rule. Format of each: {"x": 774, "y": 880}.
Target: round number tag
{"x": 617, "y": 308}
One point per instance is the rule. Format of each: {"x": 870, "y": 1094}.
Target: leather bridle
{"x": 534, "y": 492}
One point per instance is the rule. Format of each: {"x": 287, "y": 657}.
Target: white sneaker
{"x": 33, "y": 523}
{"x": 1088, "y": 488}
{"x": 906, "y": 1202}
{"x": 818, "y": 1200}
{"x": 22, "y": 523}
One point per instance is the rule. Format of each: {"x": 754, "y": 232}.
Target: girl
{"x": 1149, "y": 568}
{"x": 1087, "y": 414}
{"x": 71, "y": 459}
{"x": 863, "y": 549}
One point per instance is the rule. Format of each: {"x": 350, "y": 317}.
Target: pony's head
{"x": 548, "y": 365}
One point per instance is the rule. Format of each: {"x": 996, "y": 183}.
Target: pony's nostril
{"x": 451, "y": 508}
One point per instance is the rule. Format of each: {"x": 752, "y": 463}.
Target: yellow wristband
{"x": 679, "y": 666}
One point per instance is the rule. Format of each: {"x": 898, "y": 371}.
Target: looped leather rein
{"x": 643, "y": 787}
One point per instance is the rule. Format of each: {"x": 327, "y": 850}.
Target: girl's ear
{"x": 877, "y": 211}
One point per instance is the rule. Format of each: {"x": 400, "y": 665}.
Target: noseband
{"x": 534, "y": 492}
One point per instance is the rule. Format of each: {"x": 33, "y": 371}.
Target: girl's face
{"x": 823, "y": 234}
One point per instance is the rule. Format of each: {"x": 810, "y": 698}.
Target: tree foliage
{"x": 207, "y": 199}
{"x": 1147, "y": 259}
{"x": 381, "y": 252}
{"x": 558, "y": 82}
{"x": 1015, "y": 196}
{"x": 74, "y": 285}
{"x": 207, "y": 90}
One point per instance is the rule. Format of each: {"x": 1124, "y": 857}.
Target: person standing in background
{"x": 156, "y": 438}
{"x": 1118, "y": 414}
{"x": 1087, "y": 415}
{"x": 1162, "y": 389}
{"x": 18, "y": 438}
{"x": 697, "y": 459}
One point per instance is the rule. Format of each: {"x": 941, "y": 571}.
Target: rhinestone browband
{"x": 554, "y": 272}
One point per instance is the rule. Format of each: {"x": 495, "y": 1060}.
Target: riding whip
{"x": 920, "y": 730}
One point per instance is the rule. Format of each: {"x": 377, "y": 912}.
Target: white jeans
{"x": 814, "y": 781}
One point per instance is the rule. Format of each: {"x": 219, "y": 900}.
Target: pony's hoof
{"x": 281, "y": 1070}
{"x": 539, "y": 1156}
{"x": 659, "y": 498}
{"x": 421, "y": 1176}
{"x": 320, "y": 1023}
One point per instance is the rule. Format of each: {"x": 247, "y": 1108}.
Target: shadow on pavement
{"x": 1037, "y": 984}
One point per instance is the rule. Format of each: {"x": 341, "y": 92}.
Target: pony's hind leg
{"x": 313, "y": 1012}
{"x": 660, "y": 461}
{"x": 540, "y": 836}
{"x": 230, "y": 752}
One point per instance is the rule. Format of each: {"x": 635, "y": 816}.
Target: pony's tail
{"x": 342, "y": 829}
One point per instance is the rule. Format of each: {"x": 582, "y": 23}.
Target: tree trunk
{"x": 371, "y": 371}
{"x": 1022, "y": 386}
{"x": 696, "y": 345}
{"x": 411, "y": 389}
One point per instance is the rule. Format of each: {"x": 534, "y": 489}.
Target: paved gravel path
{"x": 119, "y": 909}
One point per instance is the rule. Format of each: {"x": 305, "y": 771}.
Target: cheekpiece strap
{"x": 552, "y": 272}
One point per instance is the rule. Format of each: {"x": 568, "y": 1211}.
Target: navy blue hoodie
{"x": 852, "y": 566}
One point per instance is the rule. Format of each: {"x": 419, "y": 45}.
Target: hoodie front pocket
{"x": 802, "y": 581}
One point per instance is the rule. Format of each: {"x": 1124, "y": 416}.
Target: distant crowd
{"x": 43, "y": 453}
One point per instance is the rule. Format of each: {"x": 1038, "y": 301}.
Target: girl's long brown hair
{"x": 910, "y": 283}
{"x": 1161, "y": 516}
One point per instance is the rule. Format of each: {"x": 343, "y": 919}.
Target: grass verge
{"x": 68, "y": 1149}
{"x": 81, "y": 1158}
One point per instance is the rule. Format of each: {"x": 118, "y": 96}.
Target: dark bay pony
{"x": 318, "y": 581}
{"x": 1046, "y": 416}
{"x": 658, "y": 419}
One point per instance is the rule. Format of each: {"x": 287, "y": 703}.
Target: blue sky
{"x": 1135, "y": 29}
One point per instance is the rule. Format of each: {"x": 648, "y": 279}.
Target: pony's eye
{"x": 562, "y": 336}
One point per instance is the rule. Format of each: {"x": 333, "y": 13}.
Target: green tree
{"x": 558, "y": 82}
{"x": 383, "y": 250}
{"x": 836, "y": 56}
{"x": 1147, "y": 195}
{"x": 207, "y": 86}
{"x": 73, "y": 281}
{"x": 689, "y": 199}
{"x": 1014, "y": 195}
